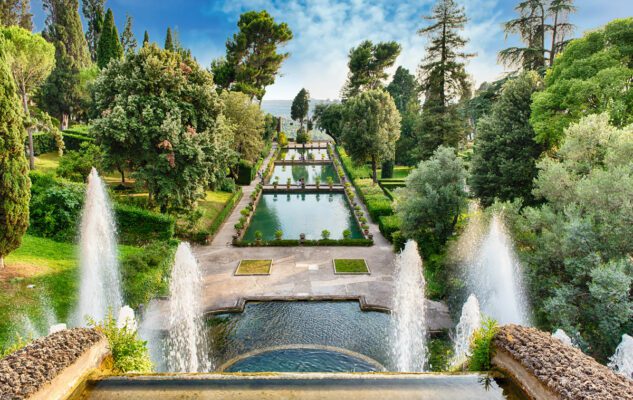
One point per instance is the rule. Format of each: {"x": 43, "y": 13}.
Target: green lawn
{"x": 50, "y": 266}
{"x": 254, "y": 267}
{"x": 211, "y": 206}
{"x": 350, "y": 266}
{"x": 47, "y": 162}
{"x": 399, "y": 172}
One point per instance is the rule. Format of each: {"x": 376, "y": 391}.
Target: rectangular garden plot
{"x": 254, "y": 267}
{"x": 350, "y": 266}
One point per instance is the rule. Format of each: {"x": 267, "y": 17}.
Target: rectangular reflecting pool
{"x": 308, "y": 213}
{"x": 304, "y": 154}
{"x": 306, "y": 172}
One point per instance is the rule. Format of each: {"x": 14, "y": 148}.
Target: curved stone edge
{"x": 53, "y": 366}
{"x": 546, "y": 368}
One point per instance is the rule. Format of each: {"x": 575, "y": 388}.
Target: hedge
{"x": 43, "y": 142}
{"x": 202, "y": 236}
{"x": 388, "y": 224}
{"x": 73, "y": 141}
{"x": 296, "y": 242}
{"x": 354, "y": 171}
{"x": 137, "y": 226}
{"x": 378, "y": 207}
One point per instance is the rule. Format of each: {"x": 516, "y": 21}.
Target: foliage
{"x": 388, "y": 224}
{"x": 247, "y": 121}
{"x": 138, "y": 226}
{"x": 350, "y": 266}
{"x": 128, "y": 41}
{"x": 282, "y": 139}
{"x": 405, "y": 91}
{"x": 252, "y": 61}
{"x": 481, "y": 345}
{"x": 303, "y": 137}
{"x": 591, "y": 76}
{"x": 76, "y": 165}
{"x": 18, "y": 343}
{"x": 300, "y": 107}
{"x": 109, "y": 46}
{"x": 129, "y": 352}
{"x": 55, "y": 207}
{"x": 403, "y": 88}
{"x": 577, "y": 245}
{"x": 482, "y": 101}
{"x": 145, "y": 275}
{"x": 159, "y": 113}
{"x": 505, "y": 153}
{"x": 14, "y": 180}
{"x": 16, "y": 12}
{"x": 537, "y": 19}
{"x": 93, "y": 11}
{"x": 325, "y": 234}
{"x": 371, "y": 127}
{"x": 444, "y": 79}
{"x": 329, "y": 118}
{"x": 367, "y": 64}
{"x": 430, "y": 204}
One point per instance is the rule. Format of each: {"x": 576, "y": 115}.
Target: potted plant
{"x": 330, "y": 182}
{"x": 258, "y": 236}
{"x": 293, "y": 156}
{"x": 288, "y": 183}
{"x": 317, "y": 180}
{"x": 276, "y": 182}
{"x": 347, "y": 234}
{"x": 303, "y": 184}
{"x": 325, "y": 234}
{"x": 279, "y": 234}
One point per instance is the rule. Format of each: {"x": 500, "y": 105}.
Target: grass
{"x": 254, "y": 267}
{"x": 211, "y": 206}
{"x": 399, "y": 172}
{"x": 47, "y": 162}
{"x": 350, "y": 266}
{"x": 52, "y": 267}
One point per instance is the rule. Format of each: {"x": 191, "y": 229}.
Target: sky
{"x": 325, "y": 30}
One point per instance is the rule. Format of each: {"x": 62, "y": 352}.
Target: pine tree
{"x": 128, "y": 41}
{"x": 444, "y": 78}
{"x": 145, "y": 39}
{"x": 93, "y": 11}
{"x": 16, "y": 12}
{"x": 14, "y": 171}
{"x": 109, "y": 44}
{"x": 169, "y": 42}
{"x": 367, "y": 64}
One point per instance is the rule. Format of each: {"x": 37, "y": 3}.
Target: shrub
{"x": 325, "y": 234}
{"x": 73, "y": 141}
{"x": 388, "y": 224}
{"x": 145, "y": 275}
{"x": 347, "y": 234}
{"x": 387, "y": 170}
{"x": 378, "y": 207}
{"x": 18, "y": 343}
{"x": 303, "y": 136}
{"x": 226, "y": 184}
{"x": 245, "y": 172}
{"x": 278, "y": 234}
{"x": 282, "y": 139}
{"x": 398, "y": 241}
{"x": 55, "y": 208}
{"x": 130, "y": 353}
{"x": 480, "y": 346}
{"x": 76, "y": 164}
{"x": 245, "y": 212}
{"x": 239, "y": 226}
{"x": 259, "y": 235}
{"x": 43, "y": 142}
{"x": 137, "y": 226}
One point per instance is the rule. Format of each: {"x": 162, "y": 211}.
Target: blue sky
{"x": 325, "y": 30}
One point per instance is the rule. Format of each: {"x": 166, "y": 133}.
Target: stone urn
{"x": 302, "y": 237}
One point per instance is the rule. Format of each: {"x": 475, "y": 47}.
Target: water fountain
{"x": 408, "y": 322}
{"x": 100, "y": 287}
{"x": 186, "y": 346}
{"x": 494, "y": 277}
{"x": 469, "y": 322}
{"x": 126, "y": 319}
{"x": 563, "y": 337}
{"x": 622, "y": 361}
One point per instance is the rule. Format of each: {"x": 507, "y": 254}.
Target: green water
{"x": 308, "y": 213}
{"x": 319, "y": 154}
{"x": 306, "y": 172}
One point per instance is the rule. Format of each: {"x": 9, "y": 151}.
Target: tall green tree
{"x": 405, "y": 91}
{"x": 505, "y": 153}
{"x": 16, "y": 12}
{"x": 371, "y": 128}
{"x": 31, "y": 61}
{"x": 145, "y": 39}
{"x": 367, "y": 64}
{"x": 169, "y": 41}
{"x": 444, "y": 79}
{"x": 160, "y": 116}
{"x": 128, "y": 41}
{"x": 592, "y": 75}
{"x": 329, "y": 118}
{"x": 93, "y": 11}
{"x": 247, "y": 121}
{"x": 14, "y": 175}
{"x": 109, "y": 44}
{"x": 252, "y": 59}
{"x": 61, "y": 93}
{"x": 300, "y": 107}
{"x": 537, "y": 19}
{"x": 434, "y": 197}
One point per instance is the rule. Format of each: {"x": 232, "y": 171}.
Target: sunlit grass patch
{"x": 254, "y": 267}
{"x": 350, "y": 266}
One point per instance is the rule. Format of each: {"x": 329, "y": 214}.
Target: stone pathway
{"x": 299, "y": 272}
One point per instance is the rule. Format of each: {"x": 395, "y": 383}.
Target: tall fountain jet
{"x": 408, "y": 322}
{"x": 469, "y": 322}
{"x": 495, "y": 278}
{"x": 186, "y": 341}
{"x": 100, "y": 287}
{"x": 622, "y": 361}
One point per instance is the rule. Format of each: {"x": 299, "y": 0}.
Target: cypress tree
{"x": 15, "y": 184}
{"x": 169, "y": 42}
{"x": 109, "y": 44}
{"x": 145, "y": 39}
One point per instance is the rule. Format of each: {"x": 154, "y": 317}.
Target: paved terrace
{"x": 299, "y": 272}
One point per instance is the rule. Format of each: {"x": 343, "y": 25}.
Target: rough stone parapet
{"x": 24, "y": 373}
{"x": 562, "y": 370}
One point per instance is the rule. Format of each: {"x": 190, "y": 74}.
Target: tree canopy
{"x": 371, "y": 127}
{"x": 159, "y": 114}
{"x": 300, "y": 106}
{"x": 367, "y": 64}
{"x": 405, "y": 91}
{"x": 128, "y": 41}
{"x": 109, "y": 44}
{"x": 329, "y": 118}
{"x": 93, "y": 11}
{"x": 252, "y": 61}
{"x": 16, "y": 12}
{"x": 247, "y": 122}
{"x": 505, "y": 153}
{"x": 592, "y": 75}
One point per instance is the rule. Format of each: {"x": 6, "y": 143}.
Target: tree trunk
{"x": 29, "y": 131}
{"x": 122, "y": 172}
{"x": 1, "y": 261}
{"x": 64, "y": 122}
{"x": 552, "y": 51}
{"x": 374, "y": 169}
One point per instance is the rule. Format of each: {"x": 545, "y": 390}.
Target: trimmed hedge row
{"x": 296, "y": 242}
{"x": 246, "y": 171}
{"x": 43, "y": 142}
{"x": 73, "y": 141}
{"x": 203, "y": 236}
{"x": 389, "y": 185}
{"x": 137, "y": 226}
{"x": 388, "y": 224}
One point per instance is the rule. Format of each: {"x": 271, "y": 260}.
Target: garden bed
{"x": 253, "y": 267}
{"x": 354, "y": 266}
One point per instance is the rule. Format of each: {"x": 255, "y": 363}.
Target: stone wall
{"x": 548, "y": 369}
{"x": 52, "y": 366}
